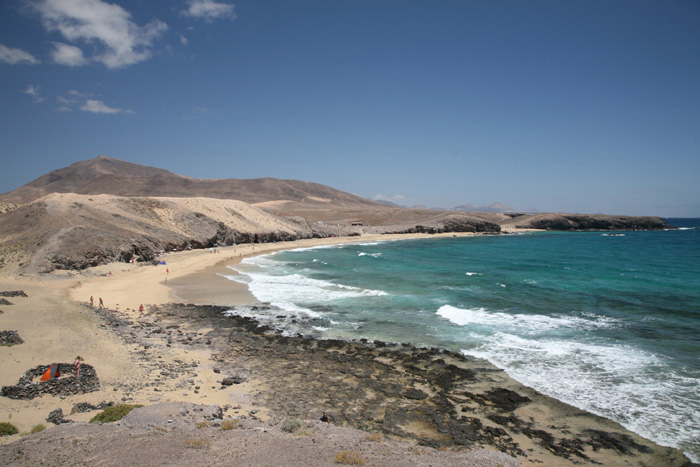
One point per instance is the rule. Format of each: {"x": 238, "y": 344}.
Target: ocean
{"x": 607, "y": 322}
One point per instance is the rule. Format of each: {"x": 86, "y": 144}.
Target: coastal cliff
{"x": 548, "y": 221}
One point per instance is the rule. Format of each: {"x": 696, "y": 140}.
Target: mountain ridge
{"x": 107, "y": 175}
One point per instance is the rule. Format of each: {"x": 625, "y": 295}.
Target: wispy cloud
{"x": 209, "y": 10}
{"x": 12, "y": 56}
{"x": 71, "y": 99}
{"x": 34, "y": 92}
{"x": 99, "y": 107}
{"x": 184, "y": 40}
{"x": 107, "y": 27}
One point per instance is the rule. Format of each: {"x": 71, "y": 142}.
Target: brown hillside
{"x": 69, "y": 231}
{"x": 106, "y": 175}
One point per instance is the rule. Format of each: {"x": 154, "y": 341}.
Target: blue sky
{"x": 568, "y": 106}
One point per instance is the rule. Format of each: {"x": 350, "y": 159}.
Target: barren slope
{"x": 69, "y": 231}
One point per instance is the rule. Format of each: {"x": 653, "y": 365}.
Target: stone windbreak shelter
{"x": 31, "y": 386}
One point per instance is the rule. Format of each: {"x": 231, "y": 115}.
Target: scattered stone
{"x": 56, "y": 417}
{"x": 10, "y": 338}
{"x": 13, "y": 293}
{"x": 82, "y": 407}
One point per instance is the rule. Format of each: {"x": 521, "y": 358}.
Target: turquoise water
{"x": 607, "y": 323}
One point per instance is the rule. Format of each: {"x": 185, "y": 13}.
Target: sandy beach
{"x": 179, "y": 353}
{"x": 57, "y": 324}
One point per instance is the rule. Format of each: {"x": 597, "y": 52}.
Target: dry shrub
{"x": 201, "y": 425}
{"x": 349, "y": 458}
{"x": 199, "y": 443}
{"x": 291, "y": 425}
{"x": 229, "y": 424}
{"x": 376, "y": 437}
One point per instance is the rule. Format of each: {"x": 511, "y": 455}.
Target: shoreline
{"x": 130, "y": 358}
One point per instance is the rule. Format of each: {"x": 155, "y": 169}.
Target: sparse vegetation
{"x": 38, "y": 428}
{"x": 376, "y": 437}
{"x": 291, "y": 425}
{"x": 7, "y": 429}
{"x": 201, "y": 425}
{"x": 199, "y": 443}
{"x": 229, "y": 424}
{"x": 114, "y": 413}
{"x": 349, "y": 458}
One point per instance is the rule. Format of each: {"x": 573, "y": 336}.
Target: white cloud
{"x": 34, "y": 92}
{"x": 70, "y": 55}
{"x": 120, "y": 41}
{"x": 184, "y": 40}
{"x": 99, "y": 107}
{"x": 209, "y": 10}
{"x": 12, "y": 56}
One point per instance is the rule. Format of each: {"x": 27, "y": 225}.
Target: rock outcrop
{"x": 588, "y": 222}
{"x": 451, "y": 223}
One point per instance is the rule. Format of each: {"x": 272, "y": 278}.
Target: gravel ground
{"x": 188, "y": 434}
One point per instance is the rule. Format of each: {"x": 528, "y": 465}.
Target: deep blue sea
{"x": 607, "y": 323}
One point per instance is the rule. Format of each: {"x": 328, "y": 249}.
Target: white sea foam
{"x": 295, "y": 292}
{"x": 236, "y": 278}
{"x": 474, "y": 274}
{"x": 521, "y": 322}
{"x": 373, "y": 255}
{"x": 627, "y": 384}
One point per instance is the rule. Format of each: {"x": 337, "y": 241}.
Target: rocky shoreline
{"x": 438, "y": 399}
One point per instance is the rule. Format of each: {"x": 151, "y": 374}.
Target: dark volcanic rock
{"x": 452, "y": 223}
{"x": 10, "y": 338}
{"x": 13, "y": 293}
{"x": 595, "y": 222}
{"x": 56, "y": 417}
{"x": 502, "y": 398}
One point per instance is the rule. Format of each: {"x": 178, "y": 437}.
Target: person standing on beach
{"x": 92, "y": 301}
{"x": 76, "y": 364}
{"x": 102, "y": 304}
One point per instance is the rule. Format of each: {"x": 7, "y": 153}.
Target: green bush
{"x": 38, "y": 428}
{"x": 7, "y": 429}
{"x": 114, "y": 413}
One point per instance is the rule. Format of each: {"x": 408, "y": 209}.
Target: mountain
{"x": 106, "y": 175}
